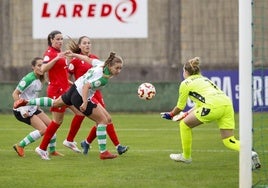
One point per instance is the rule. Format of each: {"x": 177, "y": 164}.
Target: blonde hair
{"x": 192, "y": 66}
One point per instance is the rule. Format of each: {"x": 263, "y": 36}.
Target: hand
{"x": 180, "y": 116}
{"x": 166, "y": 115}
{"x": 83, "y": 107}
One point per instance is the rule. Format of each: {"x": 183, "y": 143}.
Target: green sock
{"x": 52, "y": 144}
{"x": 231, "y": 143}
{"x": 186, "y": 140}
{"x": 101, "y": 135}
{"x": 42, "y": 101}
{"x": 30, "y": 138}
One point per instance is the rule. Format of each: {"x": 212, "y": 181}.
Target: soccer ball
{"x": 146, "y": 91}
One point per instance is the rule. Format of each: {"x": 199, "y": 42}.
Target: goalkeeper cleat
{"x": 180, "y": 158}
{"x": 85, "y": 147}
{"x": 57, "y": 154}
{"x": 256, "y": 164}
{"x": 72, "y": 146}
{"x": 19, "y": 150}
{"x": 19, "y": 103}
{"x": 122, "y": 149}
{"x": 107, "y": 155}
{"x": 43, "y": 154}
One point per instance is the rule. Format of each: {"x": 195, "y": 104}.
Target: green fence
{"x": 119, "y": 97}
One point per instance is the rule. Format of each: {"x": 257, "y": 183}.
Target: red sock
{"x": 50, "y": 131}
{"x": 92, "y": 134}
{"x": 112, "y": 134}
{"x": 75, "y": 126}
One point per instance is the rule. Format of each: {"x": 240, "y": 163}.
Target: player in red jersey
{"x": 78, "y": 66}
{"x": 55, "y": 64}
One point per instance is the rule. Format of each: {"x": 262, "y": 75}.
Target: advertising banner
{"x": 94, "y": 18}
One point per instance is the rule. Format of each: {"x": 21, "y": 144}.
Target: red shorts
{"x": 97, "y": 98}
{"x": 54, "y": 92}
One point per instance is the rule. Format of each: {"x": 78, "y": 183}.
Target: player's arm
{"x": 85, "y": 90}
{"x": 81, "y": 57}
{"x": 173, "y": 113}
{"x": 177, "y": 110}
{"x": 46, "y": 66}
{"x": 99, "y": 83}
{"x": 16, "y": 94}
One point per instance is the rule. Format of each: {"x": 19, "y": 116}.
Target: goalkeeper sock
{"x": 232, "y": 143}
{"x": 101, "y": 135}
{"x": 30, "y": 138}
{"x": 42, "y": 101}
{"x": 186, "y": 140}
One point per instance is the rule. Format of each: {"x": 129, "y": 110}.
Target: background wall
{"x": 178, "y": 30}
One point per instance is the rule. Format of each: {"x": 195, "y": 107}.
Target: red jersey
{"x": 58, "y": 74}
{"x": 78, "y": 67}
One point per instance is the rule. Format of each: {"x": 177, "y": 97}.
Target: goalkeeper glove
{"x": 167, "y": 115}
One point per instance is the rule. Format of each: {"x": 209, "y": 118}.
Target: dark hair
{"x": 33, "y": 63}
{"x": 112, "y": 59}
{"x": 74, "y": 46}
{"x": 192, "y": 66}
{"x": 52, "y": 35}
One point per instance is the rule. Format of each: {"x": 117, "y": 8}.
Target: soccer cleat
{"x": 72, "y": 146}
{"x": 180, "y": 158}
{"x": 85, "y": 147}
{"x": 19, "y": 150}
{"x": 255, "y": 161}
{"x": 19, "y": 103}
{"x": 56, "y": 153}
{"x": 122, "y": 149}
{"x": 107, "y": 155}
{"x": 43, "y": 154}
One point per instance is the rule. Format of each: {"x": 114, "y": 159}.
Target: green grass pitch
{"x": 146, "y": 164}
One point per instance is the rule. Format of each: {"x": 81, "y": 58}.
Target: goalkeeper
{"x": 211, "y": 104}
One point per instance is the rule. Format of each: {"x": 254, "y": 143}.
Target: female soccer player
{"x": 78, "y": 66}
{"x": 211, "y": 104}
{"x": 29, "y": 88}
{"x": 79, "y": 99}
{"x": 55, "y": 65}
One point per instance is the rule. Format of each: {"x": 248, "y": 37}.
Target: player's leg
{"x": 102, "y": 119}
{"x": 39, "y": 127}
{"x": 52, "y": 144}
{"x": 186, "y": 125}
{"x": 41, "y": 101}
{"x": 50, "y": 132}
{"x": 113, "y": 135}
{"x": 114, "y": 138}
{"x": 227, "y": 125}
{"x": 85, "y": 144}
{"x": 75, "y": 126}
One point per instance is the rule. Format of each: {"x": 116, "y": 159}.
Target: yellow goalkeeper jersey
{"x": 202, "y": 91}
